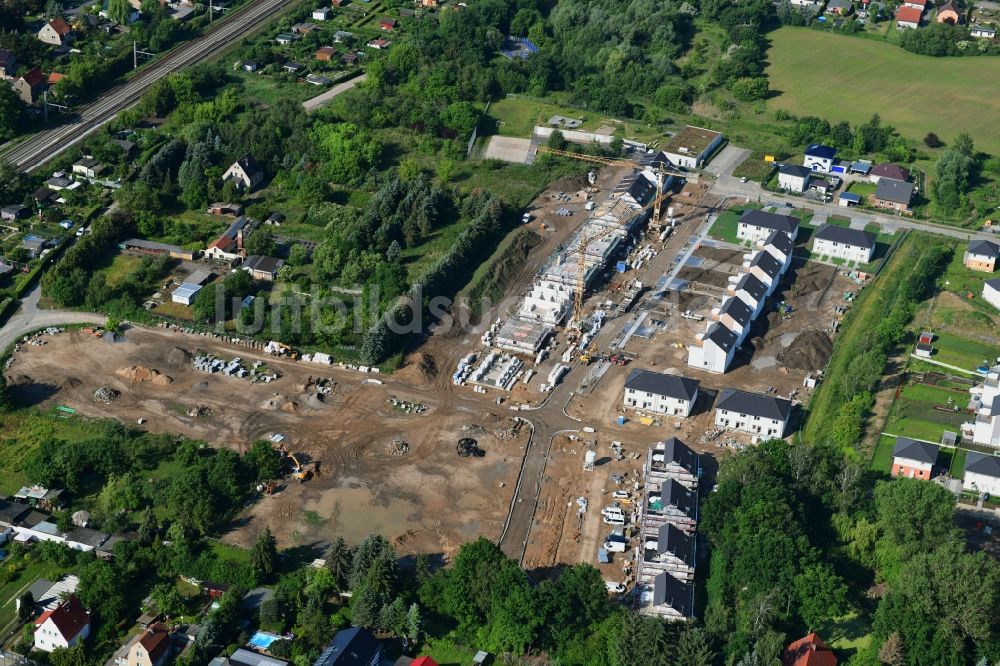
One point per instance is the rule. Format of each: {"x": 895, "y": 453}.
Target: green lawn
{"x": 962, "y": 352}
{"x": 862, "y": 189}
{"x": 22, "y": 431}
{"x": 724, "y": 227}
{"x": 957, "y": 468}
{"x": 518, "y": 116}
{"x": 868, "y": 76}
{"x": 849, "y": 634}
{"x": 882, "y": 455}
{"x": 913, "y": 414}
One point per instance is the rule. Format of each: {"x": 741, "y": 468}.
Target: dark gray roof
{"x": 897, "y": 191}
{"x": 721, "y": 336}
{"x": 993, "y": 284}
{"x": 674, "y": 541}
{"x": 244, "y": 657}
{"x": 10, "y": 512}
{"x": 676, "y": 495}
{"x": 86, "y": 536}
{"x": 781, "y": 241}
{"x": 350, "y": 647}
{"x": 674, "y": 593}
{"x": 738, "y": 310}
{"x": 914, "y": 450}
{"x": 752, "y": 286}
{"x": 819, "y": 150}
{"x": 855, "y": 237}
{"x": 758, "y": 218}
{"x": 672, "y": 386}
{"x": 258, "y": 262}
{"x": 982, "y": 463}
{"x": 984, "y": 247}
{"x": 795, "y": 170}
{"x": 767, "y": 263}
{"x": 754, "y": 404}
{"x": 676, "y": 451}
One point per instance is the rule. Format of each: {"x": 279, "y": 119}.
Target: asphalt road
{"x": 325, "y": 98}
{"x": 42, "y": 147}
{"x": 30, "y": 318}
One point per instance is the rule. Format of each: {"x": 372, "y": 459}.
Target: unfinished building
{"x": 668, "y": 519}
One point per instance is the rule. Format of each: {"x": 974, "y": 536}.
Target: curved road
{"x": 30, "y": 318}
{"x": 43, "y": 146}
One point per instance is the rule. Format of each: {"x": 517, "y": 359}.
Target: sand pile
{"x": 290, "y": 407}
{"x": 138, "y": 374}
{"x": 809, "y": 351}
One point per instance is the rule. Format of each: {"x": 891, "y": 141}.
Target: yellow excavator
{"x": 298, "y": 470}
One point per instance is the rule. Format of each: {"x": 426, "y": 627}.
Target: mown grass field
{"x": 838, "y": 77}
{"x": 914, "y": 414}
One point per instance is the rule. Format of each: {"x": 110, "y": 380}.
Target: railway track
{"x": 42, "y": 147}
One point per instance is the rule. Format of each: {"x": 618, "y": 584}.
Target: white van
{"x": 614, "y": 519}
{"x": 614, "y": 546}
{"x": 613, "y": 587}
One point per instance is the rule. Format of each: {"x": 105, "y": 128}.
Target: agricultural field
{"x": 868, "y": 75}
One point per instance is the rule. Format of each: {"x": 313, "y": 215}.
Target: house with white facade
{"x": 66, "y": 626}
{"x": 819, "y": 158}
{"x": 756, "y": 225}
{"x": 766, "y": 268}
{"x": 985, "y": 403}
{"x": 689, "y": 147}
{"x": 245, "y": 173}
{"x": 982, "y": 473}
{"x": 991, "y": 292}
{"x": 735, "y": 315}
{"x": 793, "y": 178}
{"x": 750, "y": 290}
{"x": 844, "y": 243}
{"x": 762, "y": 415}
{"x": 714, "y": 349}
{"x": 779, "y": 245}
{"x": 660, "y": 393}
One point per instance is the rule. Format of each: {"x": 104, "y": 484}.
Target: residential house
{"x": 750, "y": 290}
{"x": 388, "y": 24}
{"x": 809, "y": 651}
{"x": 714, "y": 349}
{"x": 691, "y": 146}
{"x": 893, "y": 194}
{"x": 793, "y": 178}
{"x": 10, "y": 514}
{"x": 660, "y": 393}
{"x": 908, "y": 18}
{"x": 325, "y": 53}
{"x": 263, "y": 268}
{"x": 839, "y": 7}
{"x": 60, "y": 183}
{"x": 8, "y": 64}
{"x": 819, "y": 158}
{"x": 844, "y": 243}
{"x": 669, "y": 598}
{"x": 245, "y": 172}
{"x": 948, "y": 13}
{"x": 355, "y": 646}
{"x": 229, "y": 246}
{"x": 762, "y": 415}
{"x": 982, "y": 31}
{"x": 888, "y": 170}
{"x": 991, "y": 292}
{"x": 66, "y": 626}
{"x": 127, "y": 147}
{"x": 766, "y": 268}
{"x": 250, "y": 66}
{"x": 982, "y": 255}
{"x": 379, "y": 44}
{"x": 30, "y": 85}
{"x": 756, "y": 225}
{"x": 44, "y": 196}
{"x": 56, "y": 32}
{"x": 916, "y": 4}
{"x": 985, "y": 404}
{"x": 150, "y": 648}
{"x": 779, "y": 245}
{"x": 735, "y": 315}
{"x": 35, "y": 245}
{"x": 913, "y": 459}
{"x": 322, "y": 14}
{"x": 293, "y": 67}
{"x": 669, "y": 549}
{"x": 49, "y": 595}
{"x": 982, "y": 473}
{"x": 88, "y": 167}
{"x": 284, "y": 38}
{"x": 304, "y": 28}
{"x": 13, "y": 212}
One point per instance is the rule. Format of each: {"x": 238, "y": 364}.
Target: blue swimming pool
{"x": 262, "y": 640}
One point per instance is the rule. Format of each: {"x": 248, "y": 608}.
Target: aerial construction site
{"x": 573, "y": 426}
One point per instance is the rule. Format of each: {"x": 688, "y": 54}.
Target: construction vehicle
{"x": 469, "y": 447}
{"x": 299, "y": 471}
{"x": 267, "y": 487}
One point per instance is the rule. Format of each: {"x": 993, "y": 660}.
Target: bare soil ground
{"x": 429, "y": 500}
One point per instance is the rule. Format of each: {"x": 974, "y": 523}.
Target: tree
{"x": 261, "y": 242}
{"x": 73, "y": 656}
{"x": 298, "y": 255}
{"x": 414, "y": 622}
{"x": 5, "y": 401}
{"x": 693, "y": 648}
{"x": 963, "y": 144}
{"x": 557, "y": 141}
{"x": 822, "y": 594}
{"x": 270, "y": 613}
{"x": 891, "y": 653}
{"x": 168, "y": 598}
{"x": 11, "y": 113}
{"x": 350, "y": 151}
{"x": 263, "y": 461}
{"x": 26, "y": 606}
{"x": 264, "y": 553}
{"x": 119, "y": 10}
{"x": 338, "y": 561}
{"x": 749, "y": 89}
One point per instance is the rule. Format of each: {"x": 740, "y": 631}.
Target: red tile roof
{"x": 809, "y": 651}
{"x": 69, "y": 617}
{"x": 156, "y": 641}
{"x": 909, "y": 15}
{"x": 424, "y": 661}
{"x": 56, "y": 77}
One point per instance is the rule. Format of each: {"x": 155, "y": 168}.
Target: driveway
{"x": 727, "y": 160}
{"x": 31, "y": 318}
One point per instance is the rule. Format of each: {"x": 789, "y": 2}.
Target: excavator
{"x": 298, "y": 470}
